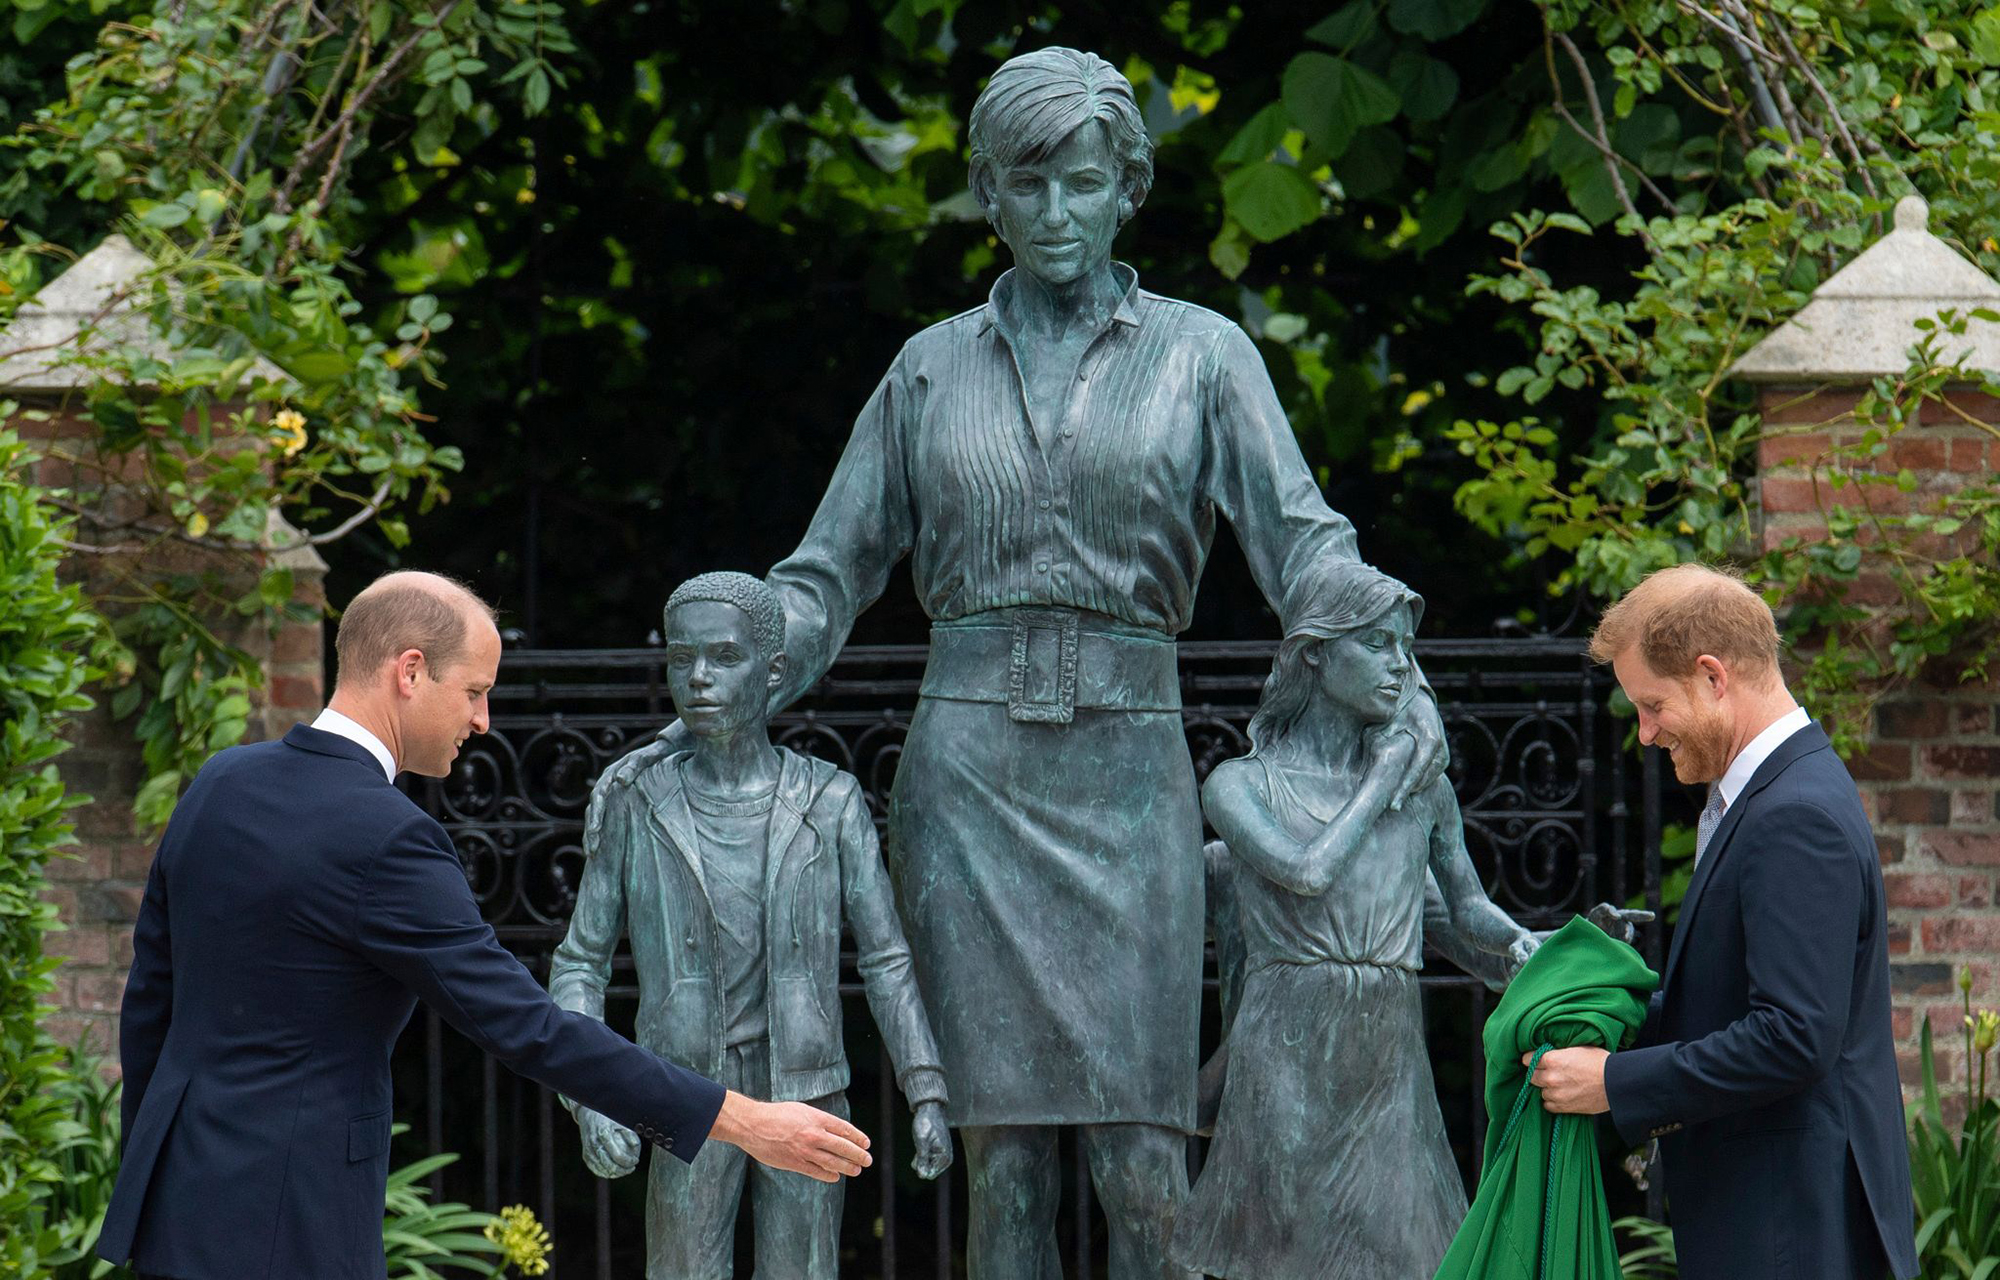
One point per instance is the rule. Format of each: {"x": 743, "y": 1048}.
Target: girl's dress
{"x": 1329, "y": 1160}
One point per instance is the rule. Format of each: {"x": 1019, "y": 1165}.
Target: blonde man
{"x": 1765, "y": 1067}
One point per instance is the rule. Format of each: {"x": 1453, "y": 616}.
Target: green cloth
{"x": 1539, "y": 1213}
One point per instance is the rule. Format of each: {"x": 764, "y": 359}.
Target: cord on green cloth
{"x": 1549, "y": 1197}
{"x": 1549, "y": 1194}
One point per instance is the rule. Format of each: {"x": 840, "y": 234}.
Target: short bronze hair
{"x": 1680, "y": 613}
{"x": 1036, "y": 100}
{"x": 406, "y": 610}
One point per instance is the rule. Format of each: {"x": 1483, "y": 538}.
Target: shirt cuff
{"x": 923, "y": 1084}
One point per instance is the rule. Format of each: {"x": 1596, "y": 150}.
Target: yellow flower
{"x": 523, "y": 1240}
{"x": 1985, "y": 1027}
{"x": 1965, "y": 980}
{"x": 289, "y": 430}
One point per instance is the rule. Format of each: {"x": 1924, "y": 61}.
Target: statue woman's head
{"x": 1060, "y": 159}
{"x": 1347, "y": 645}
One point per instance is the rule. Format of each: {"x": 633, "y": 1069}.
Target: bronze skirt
{"x": 1049, "y": 877}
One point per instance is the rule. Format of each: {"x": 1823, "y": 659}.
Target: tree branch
{"x": 1602, "y": 138}
{"x": 343, "y": 124}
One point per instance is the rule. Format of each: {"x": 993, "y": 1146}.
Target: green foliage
{"x": 47, "y": 636}
{"x": 86, "y": 1155}
{"x": 1956, "y": 1177}
{"x": 1801, "y": 157}
{"x": 253, "y": 386}
{"x": 422, "y": 1240}
{"x": 1652, "y": 1255}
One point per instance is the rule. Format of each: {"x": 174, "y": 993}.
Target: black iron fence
{"x": 1558, "y": 816}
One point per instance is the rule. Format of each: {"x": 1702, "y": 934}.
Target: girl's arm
{"x": 1240, "y": 811}
{"x": 1473, "y": 915}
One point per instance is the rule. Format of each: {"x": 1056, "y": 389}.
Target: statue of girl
{"x": 1329, "y": 1159}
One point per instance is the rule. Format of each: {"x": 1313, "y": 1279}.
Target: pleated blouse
{"x": 1110, "y": 507}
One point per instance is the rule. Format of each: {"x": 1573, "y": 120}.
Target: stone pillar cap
{"x": 1861, "y": 322}
{"x": 90, "y": 306}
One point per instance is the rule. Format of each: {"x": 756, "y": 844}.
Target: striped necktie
{"x": 1711, "y": 818}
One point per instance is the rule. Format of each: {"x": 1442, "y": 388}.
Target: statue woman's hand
{"x": 1419, "y": 718}
{"x": 629, "y": 766}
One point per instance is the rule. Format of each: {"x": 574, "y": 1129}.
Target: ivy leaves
{"x": 1344, "y": 124}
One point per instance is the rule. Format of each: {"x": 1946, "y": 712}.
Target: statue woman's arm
{"x": 1258, "y": 479}
{"x": 864, "y": 525}
{"x": 1473, "y": 916}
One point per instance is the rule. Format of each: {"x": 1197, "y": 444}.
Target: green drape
{"x": 1539, "y": 1213}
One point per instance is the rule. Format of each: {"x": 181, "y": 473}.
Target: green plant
{"x": 423, "y": 1240}
{"x": 1820, "y": 116}
{"x": 253, "y": 385}
{"x": 1652, "y": 1255}
{"x": 50, "y": 642}
{"x": 86, "y": 1156}
{"x": 1956, "y": 1176}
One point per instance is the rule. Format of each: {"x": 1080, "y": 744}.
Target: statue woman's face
{"x": 1369, "y": 670}
{"x": 1059, "y": 214}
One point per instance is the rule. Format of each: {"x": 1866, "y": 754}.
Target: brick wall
{"x": 1931, "y": 778}
{"x": 97, "y": 893}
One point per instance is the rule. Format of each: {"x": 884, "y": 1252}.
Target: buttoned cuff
{"x": 923, "y": 1084}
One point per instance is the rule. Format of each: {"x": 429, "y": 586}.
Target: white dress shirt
{"x": 331, "y": 721}
{"x": 1744, "y": 766}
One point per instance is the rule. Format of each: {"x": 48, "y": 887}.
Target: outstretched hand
{"x": 610, "y": 1150}
{"x": 629, "y": 766}
{"x": 933, "y": 1139}
{"x": 792, "y": 1136}
{"x": 1619, "y": 922}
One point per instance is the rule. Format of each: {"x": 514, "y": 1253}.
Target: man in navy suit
{"x": 298, "y": 907}
{"x": 1765, "y": 1067}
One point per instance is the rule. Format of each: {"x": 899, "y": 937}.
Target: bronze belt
{"x": 1045, "y": 664}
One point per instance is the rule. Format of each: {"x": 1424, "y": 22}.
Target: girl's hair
{"x": 1331, "y": 598}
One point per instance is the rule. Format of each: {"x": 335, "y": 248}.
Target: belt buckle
{"x": 1041, "y": 667}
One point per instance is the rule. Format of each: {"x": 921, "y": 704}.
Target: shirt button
{"x": 1068, "y": 432}
{"x": 1041, "y": 566}
{"x": 1044, "y": 504}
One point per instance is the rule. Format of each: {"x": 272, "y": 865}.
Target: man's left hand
{"x": 1571, "y": 1081}
{"x": 1419, "y": 717}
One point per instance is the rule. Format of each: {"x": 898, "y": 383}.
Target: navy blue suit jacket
{"x": 1766, "y": 1068}
{"x": 297, "y": 909}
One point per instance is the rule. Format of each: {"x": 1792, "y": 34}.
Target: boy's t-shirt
{"x": 734, "y": 835}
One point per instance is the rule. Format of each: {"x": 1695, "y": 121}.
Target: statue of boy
{"x": 730, "y": 864}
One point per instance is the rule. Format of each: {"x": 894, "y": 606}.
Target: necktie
{"x": 1704, "y": 828}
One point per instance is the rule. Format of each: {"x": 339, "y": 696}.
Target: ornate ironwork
{"x": 1536, "y": 763}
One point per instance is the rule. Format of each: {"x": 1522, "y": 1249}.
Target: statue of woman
{"x": 1053, "y": 462}
{"x": 1329, "y": 1160}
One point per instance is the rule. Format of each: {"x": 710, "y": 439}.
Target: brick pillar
{"x": 97, "y": 893}
{"x": 1931, "y": 778}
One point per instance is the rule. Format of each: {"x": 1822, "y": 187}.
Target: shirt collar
{"x": 1000, "y": 301}
{"x": 1744, "y": 766}
{"x": 331, "y": 721}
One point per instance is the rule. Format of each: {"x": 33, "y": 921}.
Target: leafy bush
{"x": 46, "y": 636}
{"x": 1652, "y": 1255}
{"x": 1957, "y": 1177}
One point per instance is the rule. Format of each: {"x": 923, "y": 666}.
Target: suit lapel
{"x": 1793, "y": 749}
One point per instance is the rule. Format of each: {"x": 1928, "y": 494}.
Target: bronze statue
{"x": 1329, "y": 1160}
{"x": 731, "y": 864}
{"x": 1053, "y": 464}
